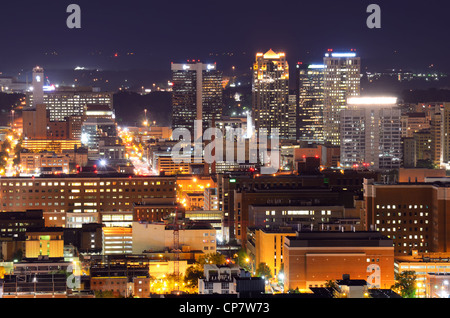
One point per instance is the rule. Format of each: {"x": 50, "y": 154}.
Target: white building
{"x": 155, "y": 237}
{"x": 342, "y": 78}
{"x": 219, "y": 279}
{"x": 371, "y": 133}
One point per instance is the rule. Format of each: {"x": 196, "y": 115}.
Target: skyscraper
{"x": 341, "y": 81}
{"x": 309, "y": 90}
{"x": 197, "y": 94}
{"x": 38, "y": 85}
{"x": 371, "y": 133}
{"x": 63, "y": 102}
{"x": 445, "y": 135}
{"x": 271, "y": 93}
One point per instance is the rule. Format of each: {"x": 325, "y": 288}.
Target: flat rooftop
{"x": 339, "y": 239}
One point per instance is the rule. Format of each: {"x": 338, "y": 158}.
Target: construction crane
{"x": 176, "y": 246}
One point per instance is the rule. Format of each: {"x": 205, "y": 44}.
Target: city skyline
{"x": 319, "y": 165}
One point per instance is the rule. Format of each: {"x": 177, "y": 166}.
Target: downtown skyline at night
{"x": 250, "y": 155}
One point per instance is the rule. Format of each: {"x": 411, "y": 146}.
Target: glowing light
{"x": 343, "y": 54}
{"x": 316, "y": 66}
{"x": 372, "y": 100}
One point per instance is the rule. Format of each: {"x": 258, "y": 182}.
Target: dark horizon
{"x": 412, "y": 35}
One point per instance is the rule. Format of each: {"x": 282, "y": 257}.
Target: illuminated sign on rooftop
{"x": 350, "y": 54}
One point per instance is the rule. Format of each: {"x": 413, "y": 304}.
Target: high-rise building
{"x": 435, "y": 128}
{"x": 309, "y": 87}
{"x": 271, "y": 93}
{"x": 196, "y": 94}
{"x": 371, "y": 133}
{"x": 445, "y": 134}
{"x": 38, "y": 85}
{"x": 292, "y": 101}
{"x": 63, "y": 102}
{"x": 341, "y": 81}
{"x": 412, "y": 213}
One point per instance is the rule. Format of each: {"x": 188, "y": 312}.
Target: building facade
{"x": 196, "y": 95}
{"x": 341, "y": 81}
{"x": 310, "y": 90}
{"x": 371, "y": 133}
{"x": 271, "y": 93}
{"x": 313, "y": 258}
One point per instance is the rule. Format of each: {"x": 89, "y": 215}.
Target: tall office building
{"x": 445, "y": 134}
{"x": 371, "y": 133}
{"x": 309, "y": 91}
{"x": 63, "y": 102}
{"x": 38, "y": 85}
{"x": 271, "y": 93}
{"x": 197, "y": 94}
{"x": 292, "y": 101}
{"x": 341, "y": 81}
{"x": 435, "y": 128}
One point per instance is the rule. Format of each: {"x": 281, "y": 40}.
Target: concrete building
{"x": 309, "y": 100}
{"x": 312, "y": 258}
{"x": 412, "y": 214}
{"x": 66, "y": 101}
{"x": 117, "y": 240}
{"x": 47, "y": 162}
{"x": 197, "y": 95}
{"x": 82, "y": 193}
{"x": 155, "y": 209}
{"x": 159, "y": 236}
{"x": 224, "y": 280}
{"x": 211, "y": 199}
{"x": 341, "y": 81}
{"x": 44, "y": 242}
{"x": 371, "y": 133}
{"x": 266, "y": 246}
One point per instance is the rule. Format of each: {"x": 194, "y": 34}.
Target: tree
{"x": 243, "y": 260}
{"x": 263, "y": 270}
{"x": 212, "y": 258}
{"x": 104, "y": 294}
{"x": 294, "y": 291}
{"x": 18, "y": 255}
{"x": 331, "y": 284}
{"x": 405, "y": 284}
{"x": 192, "y": 275}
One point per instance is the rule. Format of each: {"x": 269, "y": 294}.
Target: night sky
{"x": 414, "y": 34}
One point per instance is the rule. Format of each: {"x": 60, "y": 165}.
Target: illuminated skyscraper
{"x": 197, "y": 94}
{"x": 66, "y": 101}
{"x": 371, "y": 133}
{"x": 309, "y": 102}
{"x": 271, "y": 93}
{"x": 38, "y": 85}
{"x": 341, "y": 81}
